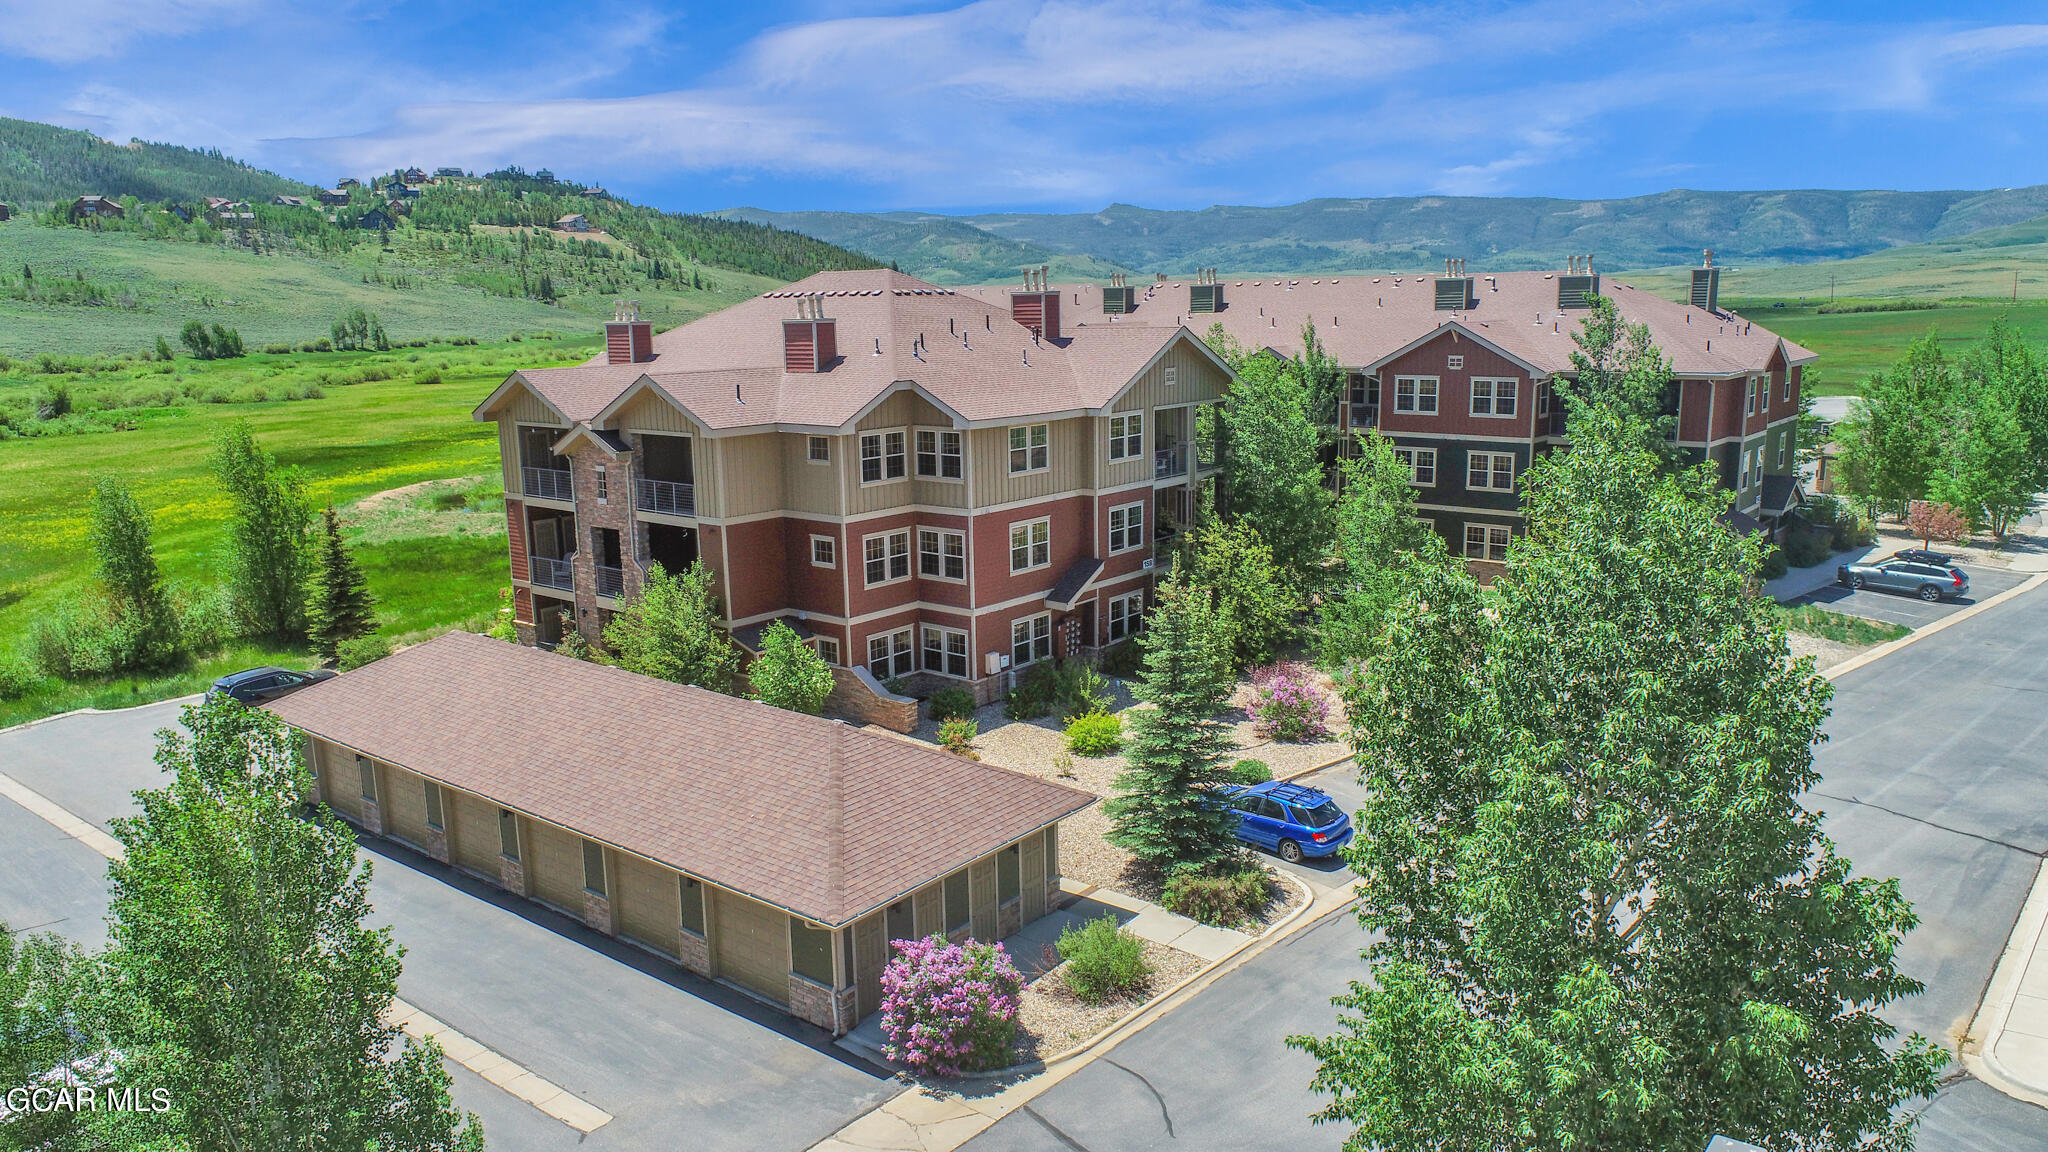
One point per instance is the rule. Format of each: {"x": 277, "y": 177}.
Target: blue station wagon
{"x": 1289, "y": 820}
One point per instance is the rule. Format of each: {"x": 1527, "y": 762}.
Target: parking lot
{"x": 1904, "y": 608}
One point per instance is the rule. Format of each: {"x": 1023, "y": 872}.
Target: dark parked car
{"x": 1288, "y": 819}
{"x": 260, "y": 684}
{"x": 1930, "y": 582}
{"x": 1923, "y": 556}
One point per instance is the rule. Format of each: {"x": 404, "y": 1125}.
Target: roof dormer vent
{"x": 1579, "y": 284}
{"x": 1037, "y": 305}
{"x": 1119, "y": 298}
{"x": 810, "y": 342}
{"x": 1206, "y": 293}
{"x": 1706, "y": 284}
{"x": 1453, "y": 288}
{"x": 628, "y": 339}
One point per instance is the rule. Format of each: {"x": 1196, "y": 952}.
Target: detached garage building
{"x": 775, "y": 851}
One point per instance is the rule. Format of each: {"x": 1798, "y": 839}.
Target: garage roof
{"x": 826, "y": 820}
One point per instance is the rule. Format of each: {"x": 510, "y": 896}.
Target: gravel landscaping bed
{"x": 1051, "y": 1019}
{"x": 1826, "y": 653}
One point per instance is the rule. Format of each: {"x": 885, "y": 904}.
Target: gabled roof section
{"x": 608, "y": 442}
{"x": 1449, "y": 328}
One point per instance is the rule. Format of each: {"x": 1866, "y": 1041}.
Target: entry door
{"x": 900, "y": 921}
{"x": 870, "y": 952}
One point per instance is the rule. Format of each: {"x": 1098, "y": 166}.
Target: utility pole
{"x": 2015, "y": 285}
{"x": 1831, "y": 287}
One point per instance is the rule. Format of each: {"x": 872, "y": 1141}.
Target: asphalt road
{"x": 1933, "y": 774}
{"x": 1913, "y": 612}
{"x": 677, "y": 1060}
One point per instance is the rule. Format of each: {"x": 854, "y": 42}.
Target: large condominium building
{"x": 1460, "y": 371}
{"x": 920, "y": 481}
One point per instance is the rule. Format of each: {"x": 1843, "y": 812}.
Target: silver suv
{"x": 1930, "y": 582}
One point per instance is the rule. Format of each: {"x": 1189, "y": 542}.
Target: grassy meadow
{"x": 434, "y": 555}
{"x": 1852, "y": 345}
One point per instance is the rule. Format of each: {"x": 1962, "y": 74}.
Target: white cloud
{"x": 80, "y": 30}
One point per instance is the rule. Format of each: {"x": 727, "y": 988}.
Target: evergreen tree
{"x": 1275, "y": 477}
{"x": 788, "y": 673}
{"x": 671, "y": 632}
{"x": 1380, "y": 544}
{"x": 266, "y": 535}
{"x": 126, "y": 564}
{"x": 1604, "y": 918}
{"x": 338, "y": 603}
{"x": 241, "y": 973}
{"x": 1164, "y": 814}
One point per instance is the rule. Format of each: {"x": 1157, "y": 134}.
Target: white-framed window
{"x": 1759, "y": 462}
{"x": 1753, "y": 390}
{"x": 824, "y": 552}
{"x": 818, "y": 450}
{"x": 1126, "y": 615}
{"x": 1168, "y": 374}
{"x": 882, "y": 457}
{"x": 1542, "y": 400}
{"x": 1742, "y": 482}
{"x": 1785, "y": 388}
{"x": 1782, "y": 442}
{"x": 891, "y": 654}
{"x": 1494, "y": 471}
{"x": 1415, "y": 394}
{"x": 945, "y": 651}
{"x": 1030, "y": 639}
{"x": 1494, "y": 397}
{"x": 1030, "y": 447}
{"x": 604, "y": 485}
{"x": 828, "y": 650}
{"x": 1126, "y": 527}
{"x": 1486, "y": 542}
{"x": 939, "y": 453}
{"x": 941, "y": 554}
{"x": 1030, "y": 545}
{"x": 1127, "y": 436}
{"x": 886, "y": 557}
{"x": 1421, "y": 464}
{"x": 1454, "y": 362}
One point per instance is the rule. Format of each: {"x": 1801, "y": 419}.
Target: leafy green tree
{"x": 1381, "y": 544}
{"x": 1275, "y": 473}
{"x": 1255, "y": 606}
{"x": 338, "y": 602}
{"x": 1605, "y": 919}
{"x": 268, "y": 521}
{"x": 196, "y": 340}
{"x": 1321, "y": 377}
{"x": 245, "y": 977}
{"x": 1890, "y": 439}
{"x": 226, "y": 343}
{"x": 1174, "y": 753}
{"x": 788, "y": 674}
{"x": 672, "y": 631}
{"x": 1616, "y": 365}
{"x": 163, "y": 350}
{"x": 126, "y": 565}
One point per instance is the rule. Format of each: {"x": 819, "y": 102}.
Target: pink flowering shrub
{"x": 1287, "y": 705}
{"x": 950, "y": 1009}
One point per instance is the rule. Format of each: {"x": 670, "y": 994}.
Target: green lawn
{"x": 1852, "y": 345}
{"x": 1840, "y": 627}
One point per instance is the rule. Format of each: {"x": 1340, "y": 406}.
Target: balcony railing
{"x": 1365, "y": 416}
{"x": 1170, "y": 462}
{"x": 665, "y": 496}
{"x": 549, "y": 572}
{"x": 548, "y": 483}
{"x": 611, "y": 581}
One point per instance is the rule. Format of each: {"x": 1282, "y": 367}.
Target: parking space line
{"x": 500, "y": 1070}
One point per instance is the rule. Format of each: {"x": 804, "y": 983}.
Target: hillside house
{"x": 375, "y": 218}
{"x": 574, "y": 222}
{"x": 220, "y": 209}
{"x": 288, "y": 201}
{"x": 414, "y": 176}
{"x": 874, "y": 839}
{"x": 333, "y": 197}
{"x": 595, "y": 194}
{"x": 447, "y": 173}
{"x": 922, "y": 484}
{"x": 96, "y": 206}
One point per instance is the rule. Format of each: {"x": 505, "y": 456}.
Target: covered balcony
{"x": 542, "y": 474}
{"x": 666, "y": 484}
{"x": 550, "y": 549}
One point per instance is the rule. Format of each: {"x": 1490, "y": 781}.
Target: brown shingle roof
{"x": 823, "y": 819}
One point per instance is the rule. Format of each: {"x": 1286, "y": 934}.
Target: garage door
{"x": 476, "y": 834}
{"x": 557, "y": 866}
{"x": 405, "y": 806}
{"x": 753, "y": 944}
{"x": 649, "y": 903}
{"x": 341, "y": 782}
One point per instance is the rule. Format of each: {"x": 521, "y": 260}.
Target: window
{"x": 1781, "y": 450}
{"x": 938, "y": 453}
{"x": 828, "y": 650}
{"x": 1421, "y": 464}
{"x": 1029, "y": 451}
{"x": 886, "y": 557}
{"x": 1542, "y": 400}
{"x": 1415, "y": 394}
{"x": 604, "y": 488}
{"x": 1126, "y": 527}
{"x": 1126, "y": 615}
{"x": 819, "y": 450}
{"x": 1785, "y": 389}
{"x": 957, "y": 911}
{"x": 945, "y": 651}
{"x": 1743, "y": 481}
{"x": 1009, "y": 874}
{"x": 824, "y": 552}
{"x": 367, "y": 772}
{"x": 1486, "y": 542}
{"x": 1491, "y": 470}
{"x": 1752, "y": 395}
{"x": 1454, "y": 362}
{"x": 693, "y": 905}
{"x": 1168, "y": 374}
{"x": 1030, "y": 639}
{"x": 593, "y": 866}
{"x": 810, "y": 951}
{"x": 881, "y": 457}
{"x": 508, "y": 834}
{"x": 434, "y": 815}
{"x": 1493, "y": 397}
{"x": 890, "y": 654}
{"x": 941, "y": 555}
{"x": 1127, "y": 436}
{"x": 1759, "y": 462}
{"x": 1030, "y": 545}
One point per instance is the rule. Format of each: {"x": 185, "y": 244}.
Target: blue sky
{"x": 1064, "y": 105}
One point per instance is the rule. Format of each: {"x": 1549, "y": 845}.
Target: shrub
{"x": 18, "y": 676}
{"x": 790, "y": 674}
{"x": 952, "y": 704}
{"x": 1079, "y": 690}
{"x": 950, "y": 1009}
{"x": 502, "y": 627}
{"x": 1773, "y": 565}
{"x": 363, "y": 650}
{"x": 1287, "y": 704}
{"x": 1029, "y": 700}
{"x": 77, "y": 638}
{"x": 1122, "y": 660}
{"x": 277, "y": 349}
{"x": 1251, "y": 771}
{"x": 1805, "y": 548}
{"x": 958, "y": 735}
{"x": 427, "y": 376}
{"x": 1095, "y": 734}
{"x": 1104, "y": 960}
{"x": 1224, "y": 898}
{"x": 206, "y": 617}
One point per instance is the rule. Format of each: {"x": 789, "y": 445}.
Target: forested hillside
{"x": 41, "y": 162}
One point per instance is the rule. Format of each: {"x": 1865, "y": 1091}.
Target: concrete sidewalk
{"x": 2008, "y": 1042}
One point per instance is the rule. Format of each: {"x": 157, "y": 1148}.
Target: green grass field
{"x": 1852, "y": 345}
{"x": 431, "y": 563}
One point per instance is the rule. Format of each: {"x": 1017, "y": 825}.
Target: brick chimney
{"x": 1036, "y": 305}
{"x": 810, "y": 342}
{"x": 628, "y": 339}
